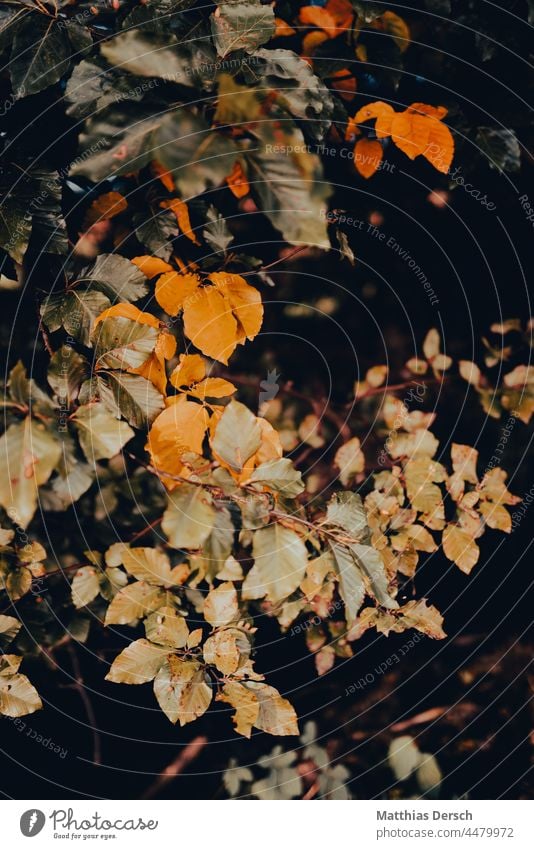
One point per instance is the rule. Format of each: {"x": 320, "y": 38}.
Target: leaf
{"x": 501, "y": 148}
{"x": 245, "y": 703}
{"x": 276, "y": 715}
{"x": 117, "y": 277}
{"x": 305, "y": 95}
{"x": 279, "y": 475}
{"x": 288, "y": 181}
{"x": 151, "y": 266}
{"x": 460, "y": 547}
{"x": 121, "y": 343}
{"x": 18, "y": 697}
{"x": 130, "y": 396}
{"x": 101, "y": 434}
{"x": 105, "y": 207}
{"x": 28, "y": 455}
{"x": 210, "y": 324}
{"x": 178, "y": 430}
{"x": 241, "y": 25}
{"x": 9, "y": 628}
{"x": 182, "y": 690}
{"x": 42, "y": 50}
{"x": 346, "y": 510}
{"x": 150, "y": 565}
{"x": 75, "y": 311}
{"x": 220, "y": 606}
{"x": 403, "y": 757}
{"x": 429, "y": 776}
{"x": 138, "y": 663}
{"x": 66, "y": 372}
{"x": 368, "y": 155}
{"x": 167, "y": 628}
{"x": 134, "y": 602}
{"x": 423, "y": 617}
{"x": 85, "y": 586}
{"x": 397, "y": 28}
{"x": 189, "y": 517}
{"x": 370, "y": 562}
{"x": 174, "y": 290}
{"x": 237, "y": 436}
{"x": 156, "y": 231}
{"x": 280, "y": 560}
{"x": 351, "y": 582}
{"x": 350, "y": 460}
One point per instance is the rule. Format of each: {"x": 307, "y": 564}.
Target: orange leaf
{"x": 346, "y": 85}
{"x": 440, "y": 150}
{"x": 162, "y": 174}
{"x": 283, "y": 29}
{"x": 342, "y": 13}
{"x": 383, "y": 113}
{"x": 178, "y": 430}
{"x": 179, "y": 207}
{"x": 173, "y": 289}
{"x": 410, "y": 131}
{"x": 367, "y": 157}
{"x": 128, "y": 311}
{"x": 312, "y": 40}
{"x": 103, "y": 208}
{"x": 438, "y": 112}
{"x": 209, "y": 323}
{"x": 316, "y": 16}
{"x": 151, "y": 266}
{"x": 212, "y": 387}
{"x": 190, "y": 369}
{"x": 245, "y": 302}
{"x": 238, "y": 182}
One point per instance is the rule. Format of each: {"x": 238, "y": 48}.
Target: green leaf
{"x": 280, "y": 560}
{"x": 182, "y": 690}
{"x": 85, "y": 586}
{"x": 279, "y": 475}
{"x": 138, "y": 663}
{"x": 501, "y": 148}
{"x": 42, "y": 51}
{"x": 31, "y": 207}
{"x": 241, "y": 25}
{"x": 167, "y": 628}
{"x": 305, "y": 95}
{"x": 189, "y": 517}
{"x": 73, "y": 479}
{"x": 237, "y": 435}
{"x": 131, "y": 396}
{"x": 75, "y": 311}
{"x": 157, "y": 232}
{"x": 289, "y": 184}
{"x": 101, "y": 434}
{"x": 161, "y": 55}
{"x": 134, "y": 602}
{"x": 346, "y": 510}
{"x": 66, "y": 372}
{"x": 28, "y": 455}
{"x": 117, "y": 277}
{"x": 122, "y": 343}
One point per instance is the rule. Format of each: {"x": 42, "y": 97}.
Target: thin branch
{"x": 177, "y": 766}
{"x": 79, "y": 685}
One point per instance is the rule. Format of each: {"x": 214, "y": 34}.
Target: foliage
{"x": 179, "y": 113}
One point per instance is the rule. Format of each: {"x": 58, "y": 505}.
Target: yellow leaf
{"x": 178, "y": 430}
{"x": 191, "y": 369}
{"x": 179, "y": 207}
{"x": 245, "y": 301}
{"x": 162, "y": 174}
{"x": 383, "y": 113}
{"x": 209, "y": 323}
{"x": 396, "y": 27}
{"x": 367, "y": 157}
{"x": 237, "y": 181}
{"x": 151, "y": 266}
{"x": 174, "y": 288}
{"x": 282, "y": 28}
{"x": 460, "y": 548}
{"x": 212, "y": 387}
{"x": 440, "y": 150}
{"x": 411, "y": 132}
{"x": 128, "y": 311}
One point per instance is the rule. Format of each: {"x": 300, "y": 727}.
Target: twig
{"x": 191, "y": 751}
{"x": 281, "y": 259}
{"x": 78, "y": 684}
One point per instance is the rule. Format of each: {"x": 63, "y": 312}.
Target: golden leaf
{"x": 210, "y": 324}
{"x": 151, "y": 266}
{"x": 368, "y": 155}
{"x": 174, "y": 288}
{"x": 180, "y": 210}
{"x": 178, "y": 430}
{"x": 460, "y": 547}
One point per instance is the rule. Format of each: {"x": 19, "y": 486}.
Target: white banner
{"x": 227, "y": 824}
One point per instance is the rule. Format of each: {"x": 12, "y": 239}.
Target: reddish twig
{"x": 177, "y": 766}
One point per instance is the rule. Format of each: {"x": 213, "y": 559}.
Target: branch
{"x": 177, "y": 766}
